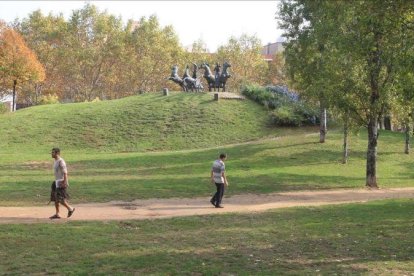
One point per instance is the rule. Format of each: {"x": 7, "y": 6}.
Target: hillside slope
{"x": 138, "y": 123}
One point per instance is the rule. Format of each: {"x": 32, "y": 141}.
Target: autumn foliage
{"x": 18, "y": 63}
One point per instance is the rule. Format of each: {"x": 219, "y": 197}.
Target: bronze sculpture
{"x": 186, "y": 82}
{"x": 218, "y": 80}
{"x": 175, "y": 78}
{"x": 193, "y": 83}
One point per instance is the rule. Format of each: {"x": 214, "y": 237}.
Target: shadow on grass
{"x": 254, "y": 168}
{"x": 372, "y": 238}
{"x": 94, "y": 190}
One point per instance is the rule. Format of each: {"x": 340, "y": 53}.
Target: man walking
{"x": 59, "y": 192}
{"x": 218, "y": 177}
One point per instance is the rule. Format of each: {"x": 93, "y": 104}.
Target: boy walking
{"x": 218, "y": 177}
{"x": 59, "y": 192}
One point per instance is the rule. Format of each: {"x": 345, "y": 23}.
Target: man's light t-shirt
{"x": 59, "y": 168}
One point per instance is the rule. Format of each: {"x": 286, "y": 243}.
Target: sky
{"x": 212, "y": 21}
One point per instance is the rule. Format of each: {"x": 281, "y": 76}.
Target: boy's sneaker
{"x": 212, "y": 202}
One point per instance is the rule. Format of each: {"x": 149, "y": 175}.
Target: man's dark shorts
{"x": 58, "y": 194}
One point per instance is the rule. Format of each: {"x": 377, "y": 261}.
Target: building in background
{"x": 269, "y": 50}
{"x": 7, "y": 101}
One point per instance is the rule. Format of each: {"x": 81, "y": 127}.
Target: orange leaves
{"x": 17, "y": 61}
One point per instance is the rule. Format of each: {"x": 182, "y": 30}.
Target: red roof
{"x": 268, "y": 57}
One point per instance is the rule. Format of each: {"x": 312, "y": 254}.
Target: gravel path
{"x": 176, "y": 207}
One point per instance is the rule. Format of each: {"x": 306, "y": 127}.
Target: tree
{"x": 403, "y": 108}
{"x": 368, "y": 34}
{"x": 152, "y": 50}
{"x": 276, "y": 73}
{"x": 17, "y": 62}
{"x": 93, "y": 46}
{"x": 45, "y": 35}
{"x": 305, "y": 54}
{"x": 244, "y": 55}
{"x": 374, "y": 31}
{"x": 92, "y": 54}
{"x": 198, "y": 54}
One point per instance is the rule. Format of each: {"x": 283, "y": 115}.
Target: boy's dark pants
{"x": 218, "y": 196}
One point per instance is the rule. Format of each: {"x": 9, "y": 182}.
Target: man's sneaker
{"x": 70, "y": 213}
{"x": 212, "y": 202}
{"x": 219, "y": 206}
{"x": 54, "y": 217}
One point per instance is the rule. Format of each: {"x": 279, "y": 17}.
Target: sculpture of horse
{"x": 175, "y": 78}
{"x": 186, "y": 82}
{"x": 218, "y": 80}
{"x": 211, "y": 80}
{"x": 224, "y": 76}
{"x": 192, "y": 83}
{"x": 186, "y": 73}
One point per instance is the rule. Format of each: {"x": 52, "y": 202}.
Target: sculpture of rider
{"x": 217, "y": 74}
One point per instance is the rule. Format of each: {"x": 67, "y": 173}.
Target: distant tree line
{"x": 93, "y": 54}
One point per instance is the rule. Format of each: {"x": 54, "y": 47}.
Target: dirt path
{"x": 175, "y": 207}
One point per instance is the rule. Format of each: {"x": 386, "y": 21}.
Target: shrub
{"x": 287, "y": 109}
{"x": 49, "y": 99}
{"x": 97, "y": 99}
{"x": 283, "y": 91}
{"x": 285, "y": 116}
{"x": 3, "y": 108}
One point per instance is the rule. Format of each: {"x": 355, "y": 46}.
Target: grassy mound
{"x": 139, "y": 123}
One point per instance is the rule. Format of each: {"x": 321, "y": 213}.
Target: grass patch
{"x": 292, "y": 162}
{"x": 374, "y": 238}
{"x": 148, "y": 122}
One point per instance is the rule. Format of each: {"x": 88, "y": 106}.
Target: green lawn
{"x": 374, "y": 238}
{"x": 151, "y": 146}
{"x": 148, "y": 122}
{"x": 292, "y": 162}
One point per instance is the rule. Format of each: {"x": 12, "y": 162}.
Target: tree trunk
{"x": 407, "y": 138}
{"x": 387, "y": 123}
{"x": 346, "y": 132}
{"x": 371, "y": 179}
{"x": 381, "y": 122}
{"x": 323, "y": 128}
{"x": 38, "y": 92}
{"x": 14, "y": 95}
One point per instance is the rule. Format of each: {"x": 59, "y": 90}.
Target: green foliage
{"x": 248, "y": 65}
{"x": 286, "y": 108}
{"x": 49, "y": 99}
{"x": 349, "y": 54}
{"x": 258, "y": 94}
{"x": 3, "y": 108}
{"x": 286, "y": 116}
{"x": 93, "y": 101}
{"x": 151, "y": 51}
{"x": 198, "y": 54}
